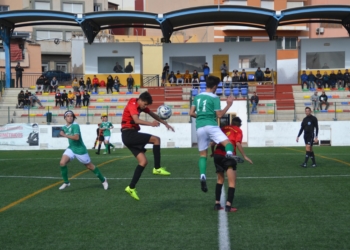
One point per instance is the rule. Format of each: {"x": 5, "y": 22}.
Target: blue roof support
{"x": 6, "y": 30}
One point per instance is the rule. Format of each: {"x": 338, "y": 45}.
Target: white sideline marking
{"x": 224, "y": 239}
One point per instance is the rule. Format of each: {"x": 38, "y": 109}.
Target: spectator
{"x": 53, "y": 84}
{"x": 110, "y": 83}
{"x": 64, "y": 97}
{"x": 88, "y": 84}
{"x": 20, "y": 99}
{"x": 227, "y": 81}
{"x": 346, "y": 78}
{"x": 26, "y": 98}
{"x": 304, "y": 80}
{"x": 40, "y": 84}
{"x": 172, "y": 77}
{"x": 319, "y": 81}
{"x": 81, "y": 84}
{"x": 268, "y": 75}
{"x": 130, "y": 83}
{"x": 206, "y": 70}
{"x": 33, "y": 98}
{"x": 179, "y": 78}
{"x": 75, "y": 84}
{"x": 340, "y": 79}
{"x": 325, "y": 66}
{"x": 116, "y": 83}
{"x": 315, "y": 101}
{"x": 187, "y": 77}
{"x": 46, "y": 85}
{"x": 19, "y": 72}
{"x": 118, "y": 68}
{"x": 325, "y": 80}
{"x": 333, "y": 79}
{"x": 243, "y": 79}
{"x": 165, "y": 73}
{"x": 254, "y": 101}
{"x": 324, "y": 100}
{"x": 195, "y": 78}
{"x": 235, "y": 78}
{"x": 223, "y": 69}
{"x": 78, "y": 99}
{"x": 95, "y": 83}
{"x": 259, "y": 76}
{"x": 129, "y": 68}
{"x": 102, "y": 83}
{"x": 86, "y": 98}
{"x": 71, "y": 97}
{"x": 58, "y": 98}
{"x": 311, "y": 78}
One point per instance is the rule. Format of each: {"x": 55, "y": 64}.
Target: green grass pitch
{"x": 280, "y": 205}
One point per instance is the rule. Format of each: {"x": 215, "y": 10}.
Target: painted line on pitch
{"x": 58, "y": 158}
{"x": 223, "y": 229}
{"x": 3, "y": 209}
{"x": 328, "y": 158}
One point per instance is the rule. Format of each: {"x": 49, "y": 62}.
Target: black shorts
{"x": 135, "y": 141}
{"x": 309, "y": 139}
{"x": 222, "y": 163}
{"x": 101, "y": 138}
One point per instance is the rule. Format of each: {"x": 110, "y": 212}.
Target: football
{"x": 164, "y": 112}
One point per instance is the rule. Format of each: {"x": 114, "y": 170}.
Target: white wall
{"x": 287, "y": 71}
{"x": 95, "y": 50}
{"x": 234, "y": 50}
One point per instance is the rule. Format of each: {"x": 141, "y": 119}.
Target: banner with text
{"x": 19, "y": 134}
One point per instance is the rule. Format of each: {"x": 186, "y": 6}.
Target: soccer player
{"x": 106, "y": 127}
{"x": 136, "y": 141}
{"x": 206, "y": 109}
{"x": 228, "y": 165}
{"x": 309, "y": 125}
{"x": 77, "y": 150}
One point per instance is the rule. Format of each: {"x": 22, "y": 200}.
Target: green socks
{"x": 64, "y": 173}
{"x": 106, "y": 148}
{"x": 202, "y": 164}
{"x": 229, "y": 148}
{"x": 97, "y": 172}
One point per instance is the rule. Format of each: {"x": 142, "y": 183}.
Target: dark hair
{"x": 308, "y": 108}
{"x": 35, "y": 125}
{"x": 212, "y": 81}
{"x": 71, "y": 112}
{"x": 236, "y": 121}
{"x": 146, "y": 97}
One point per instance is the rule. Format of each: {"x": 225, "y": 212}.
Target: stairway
{"x": 265, "y": 92}
{"x": 284, "y": 97}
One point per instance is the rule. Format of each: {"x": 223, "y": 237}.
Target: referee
{"x": 309, "y": 125}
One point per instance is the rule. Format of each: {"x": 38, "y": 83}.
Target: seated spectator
{"x": 333, "y": 79}
{"x": 34, "y": 99}
{"x": 95, "y": 83}
{"x": 130, "y": 82}
{"x": 75, "y": 84}
{"x": 20, "y": 99}
{"x": 64, "y": 97}
{"x": 259, "y": 76}
{"x": 179, "y": 78}
{"x": 78, "y": 99}
{"x": 26, "y": 98}
{"x": 268, "y": 75}
{"x": 227, "y": 81}
{"x": 346, "y": 78}
{"x": 195, "y": 78}
{"x": 116, "y": 84}
{"x": 53, "y": 85}
{"x": 319, "y": 81}
{"x": 254, "y": 101}
{"x": 235, "y": 78}
{"x": 40, "y": 84}
{"x": 315, "y": 101}
{"x": 71, "y": 97}
{"x": 311, "y": 78}
{"x": 172, "y": 77}
{"x": 118, "y": 68}
{"x": 340, "y": 79}
{"x": 187, "y": 77}
{"x": 88, "y": 84}
{"x": 58, "y": 98}
{"x": 304, "y": 80}
{"x": 110, "y": 83}
{"x": 243, "y": 80}
{"x": 129, "y": 68}
{"x": 46, "y": 85}
{"x": 324, "y": 100}
{"x": 325, "y": 80}
{"x": 81, "y": 84}
{"x": 86, "y": 98}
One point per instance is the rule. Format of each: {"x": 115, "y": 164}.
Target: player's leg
{"x": 66, "y": 157}
{"x": 203, "y": 141}
{"x": 142, "y": 163}
{"x": 106, "y": 141}
{"x": 157, "y": 170}
{"x": 85, "y": 159}
{"x": 308, "y": 144}
{"x": 312, "y": 156}
{"x": 220, "y": 180}
{"x": 231, "y": 177}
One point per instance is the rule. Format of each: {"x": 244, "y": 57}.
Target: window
{"x": 280, "y": 43}
{"x": 334, "y": 60}
{"x": 97, "y": 7}
{"x": 44, "y": 67}
{"x": 41, "y": 5}
{"x": 294, "y": 4}
{"x": 184, "y": 63}
{"x": 48, "y": 35}
{"x": 230, "y": 39}
{"x": 61, "y": 67}
{"x": 245, "y": 39}
{"x": 68, "y": 35}
{"x": 73, "y": 7}
{"x": 267, "y": 4}
{"x": 251, "y": 61}
{"x": 238, "y": 39}
{"x": 108, "y": 64}
{"x": 235, "y": 2}
{"x": 290, "y": 42}
{"x": 4, "y": 8}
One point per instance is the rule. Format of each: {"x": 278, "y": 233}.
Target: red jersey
{"x": 234, "y": 134}
{"x": 132, "y": 109}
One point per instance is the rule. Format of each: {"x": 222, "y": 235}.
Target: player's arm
{"x": 139, "y": 121}
{"x": 240, "y": 149}
{"x": 300, "y": 131}
{"x": 165, "y": 123}
{"x": 316, "y": 128}
{"x": 221, "y": 113}
{"x": 193, "y": 112}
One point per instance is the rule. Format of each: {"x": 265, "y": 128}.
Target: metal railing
{"x": 150, "y": 80}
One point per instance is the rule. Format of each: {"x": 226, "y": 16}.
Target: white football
{"x": 164, "y": 112}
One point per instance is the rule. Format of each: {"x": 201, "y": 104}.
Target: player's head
{"x": 144, "y": 100}
{"x": 213, "y": 82}
{"x": 69, "y": 116}
{"x": 236, "y": 121}
{"x": 104, "y": 117}
{"x": 307, "y": 111}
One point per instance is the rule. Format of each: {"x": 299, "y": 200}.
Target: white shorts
{"x": 207, "y": 134}
{"x": 107, "y": 138}
{"x": 85, "y": 158}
